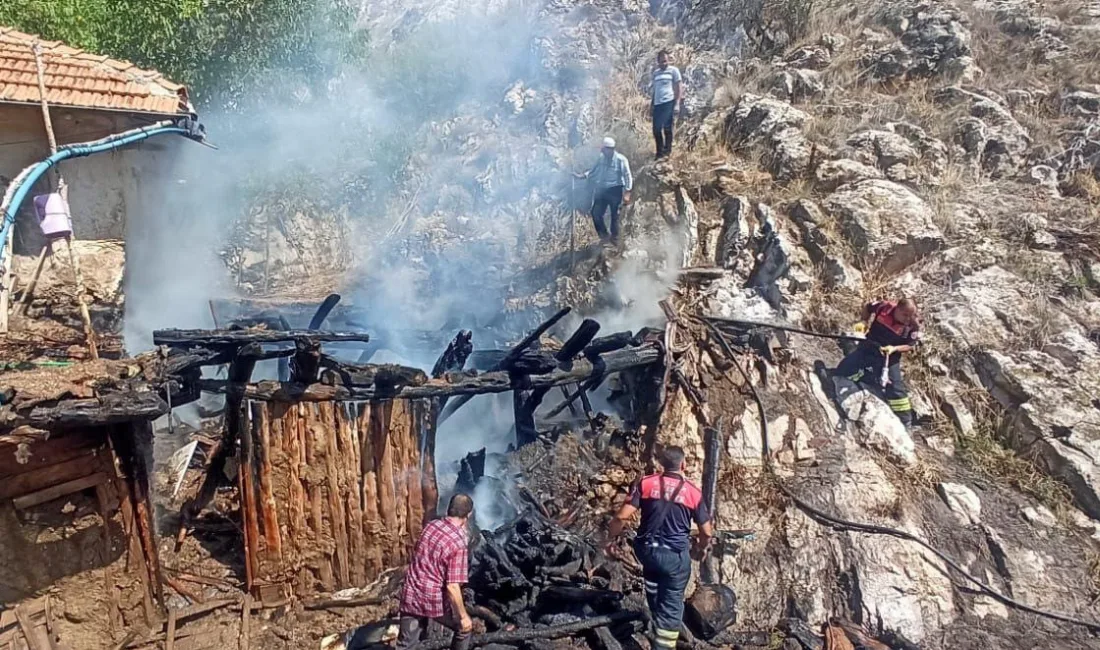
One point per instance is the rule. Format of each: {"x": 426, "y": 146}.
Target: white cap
{"x": 609, "y": 142}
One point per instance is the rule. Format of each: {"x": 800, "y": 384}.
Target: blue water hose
{"x": 186, "y": 127}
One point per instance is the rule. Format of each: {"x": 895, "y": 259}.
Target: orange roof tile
{"x": 82, "y": 79}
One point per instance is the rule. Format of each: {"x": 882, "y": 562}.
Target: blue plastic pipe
{"x": 27, "y": 179}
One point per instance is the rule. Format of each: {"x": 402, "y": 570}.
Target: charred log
{"x": 454, "y": 357}
{"x": 526, "y": 404}
{"x": 523, "y": 635}
{"x": 470, "y": 471}
{"x": 508, "y": 359}
{"x": 465, "y": 385}
{"x": 177, "y": 338}
{"x": 111, "y": 408}
{"x": 306, "y": 362}
{"x": 323, "y": 311}
{"x": 610, "y": 343}
{"x": 386, "y": 379}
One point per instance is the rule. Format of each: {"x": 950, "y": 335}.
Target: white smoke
{"x": 441, "y": 184}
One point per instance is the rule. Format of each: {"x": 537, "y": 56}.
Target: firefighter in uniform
{"x": 893, "y": 328}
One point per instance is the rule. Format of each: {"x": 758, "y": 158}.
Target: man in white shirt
{"x": 611, "y": 181}
{"x": 666, "y": 102}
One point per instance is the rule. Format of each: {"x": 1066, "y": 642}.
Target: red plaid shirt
{"x": 441, "y": 557}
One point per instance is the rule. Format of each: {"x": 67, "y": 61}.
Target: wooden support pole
{"x": 74, "y": 259}
{"x": 28, "y": 293}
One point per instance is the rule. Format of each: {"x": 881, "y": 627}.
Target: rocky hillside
{"x": 829, "y": 153}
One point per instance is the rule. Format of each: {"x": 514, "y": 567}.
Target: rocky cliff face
{"x": 946, "y": 151}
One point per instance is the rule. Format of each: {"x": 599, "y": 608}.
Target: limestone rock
{"x": 1080, "y": 102}
{"x": 990, "y": 135}
{"x": 797, "y": 85}
{"x": 735, "y": 231}
{"x": 934, "y": 40}
{"x": 781, "y": 268}
{"x": 813, "y": 57}
{"x": 1054, "y": 415}
{"x": 823, "y": 250}
{"x": 775, "y": 124}
{"x": 886, "y": 150}
{"x": 962, "y": 501}
{"x": 831, "y": 174}
{"x": 878, "y": 427}
{"x": 1039, "y": 516}
{"x": 887, "y": 222}
{"x": 1045, "y": 177}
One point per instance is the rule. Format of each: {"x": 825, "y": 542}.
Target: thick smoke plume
{"x": 416, "y": 179}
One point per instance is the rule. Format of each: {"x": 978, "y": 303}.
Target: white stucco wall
{"x": 103, "y": 189}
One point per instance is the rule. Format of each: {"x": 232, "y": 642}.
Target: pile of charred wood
{"x": 532, "y": 580}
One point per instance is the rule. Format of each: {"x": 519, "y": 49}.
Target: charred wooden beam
{"x": 323, "y": 311}
{"x": 470, "y": 471}
{"x": 462, "y": 384}
{"x": 526, "y": 403}
{"x": 712, "y": 438}
{"x": 512, "y": 355}
{"x": 454, "y": 357}
{"x": 240, "y": 373}
{"x": 235, "y": 338}
{"x": 610, "y": 343}
{"x": 306, "y": 362}
{"x": 385, "y": 378}
{"x": 110, "y": 408}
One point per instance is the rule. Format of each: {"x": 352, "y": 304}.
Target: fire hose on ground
{"x": 843, "y": 524}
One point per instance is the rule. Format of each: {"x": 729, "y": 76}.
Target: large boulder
{"x": 777, "y": 127}
{"x": 1054, "y": 415}
{"x": 876, "y": 425}
{"x": 797, "y": 85}
{"x": 886, "y": 222}
{"x": 991, "y": 137}
{"x": 824, "y": 250}
{"x": 903, "y": 152}
{"x": 933, "y": 40}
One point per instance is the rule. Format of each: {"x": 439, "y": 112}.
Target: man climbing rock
{"x": 892, "y": 329}
{"x": 439, "y": 566}
{"x": 666, "y": 102}
{"x": 669, "y": 503}
{"x": 611, "y": 181}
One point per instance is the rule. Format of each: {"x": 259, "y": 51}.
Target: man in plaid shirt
{"x": 440, "y": 563}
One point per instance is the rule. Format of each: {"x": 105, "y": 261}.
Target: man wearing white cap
{"x": 612, "y": 182}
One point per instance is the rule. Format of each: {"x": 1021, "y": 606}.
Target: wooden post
{"x": 7, "y": 278}
{"x": 28, "y": 293}
{"x": 85, "y": 315}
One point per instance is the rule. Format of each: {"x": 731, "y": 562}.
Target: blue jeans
{"x": 664, "y": 116}
{"x": 666, "y": 573}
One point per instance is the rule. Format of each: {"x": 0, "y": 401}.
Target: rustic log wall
{"x": 333, "y": 493}
{"x": 41, "y": 470}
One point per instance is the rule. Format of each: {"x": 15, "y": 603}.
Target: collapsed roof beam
{"x": 454, "y": 384}
{"x": 175, "y": 338}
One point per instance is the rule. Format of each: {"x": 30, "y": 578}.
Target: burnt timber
{"x": 336, "y": 459}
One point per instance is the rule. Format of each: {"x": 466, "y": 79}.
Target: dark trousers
{"x": 666, "y": 573}
{"x": 413, "y": 630}
{"x": 664, "y": 115}
{"x": 865, "y": 364}
{"x": 607, "y": 199}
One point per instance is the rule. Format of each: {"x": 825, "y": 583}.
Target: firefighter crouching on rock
{"x": 669, "y": 503}
{"x": 892, "y": 329}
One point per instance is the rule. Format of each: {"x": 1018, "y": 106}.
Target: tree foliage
{"x": 226, "y": 50}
